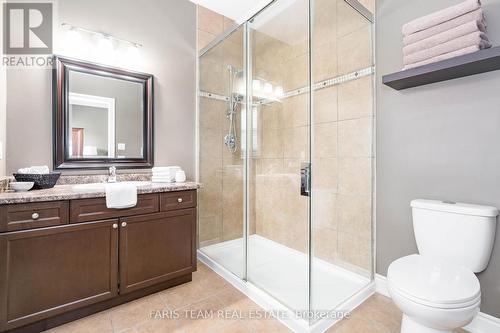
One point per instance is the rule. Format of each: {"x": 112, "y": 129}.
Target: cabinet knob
{"x": 124, "y": 224}
{"x": 179, "y": 200}
{"x": 115, "y": 225}
{"x": 35, "y": 216}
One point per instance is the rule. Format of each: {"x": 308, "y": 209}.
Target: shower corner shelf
{"x": 474, "y": 63}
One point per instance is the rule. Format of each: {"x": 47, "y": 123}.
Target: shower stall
{"x": 285, "y": 155}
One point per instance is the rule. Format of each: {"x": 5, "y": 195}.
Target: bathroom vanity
{"x": 64, "y": 255}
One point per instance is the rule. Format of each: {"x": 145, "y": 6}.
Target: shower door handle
{"x": 305, "y": 179}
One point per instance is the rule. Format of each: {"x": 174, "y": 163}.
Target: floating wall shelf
{"x": 474, "y": 63}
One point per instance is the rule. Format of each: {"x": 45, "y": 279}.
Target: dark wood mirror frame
{"x": 60, "y": 116}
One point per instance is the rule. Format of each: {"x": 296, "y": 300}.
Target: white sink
{"x": 101, "y": 187}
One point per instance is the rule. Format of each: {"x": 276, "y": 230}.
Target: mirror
{"x": 103, "y": 116}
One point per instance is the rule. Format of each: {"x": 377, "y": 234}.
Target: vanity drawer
{"x": 177, "y": 200}
{"x": 33, "y": 215}
{"x": 85, "y": 210}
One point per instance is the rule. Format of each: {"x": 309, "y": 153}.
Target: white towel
{"x": 165, "y": 169}
{"x": 442, "y": 37}
{"x": 154, "y": 169}
{"x": 121, "y": 195}
{"x": 441, "y": 16}
{"x": 163, "y": 173}
{"x": 35, "y": 170}
{"x": 476, "y": 15}
{"x": 162, "y": 179}
{"x": 445, "y": 56}
{"x": 475, "y": 39}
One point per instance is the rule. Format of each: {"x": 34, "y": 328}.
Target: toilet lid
{"x": 434, "y": 282}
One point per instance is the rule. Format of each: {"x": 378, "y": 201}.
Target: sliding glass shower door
{"x": 286, "y": 152}
{"x": 221, "y": 220}
{"x": 341, "y": 148}
{"x": 278, "y": 243}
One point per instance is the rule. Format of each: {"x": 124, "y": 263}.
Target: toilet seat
{"x": 434, "y": 284}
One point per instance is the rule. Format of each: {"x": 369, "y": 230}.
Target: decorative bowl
{"x": 42, "y": 181}
{"x": 21, "y": 186}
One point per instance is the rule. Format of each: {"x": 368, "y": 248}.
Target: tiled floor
{"x": 209, "y": 292}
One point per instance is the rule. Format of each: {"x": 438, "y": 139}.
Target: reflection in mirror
{"x": 103, "y": 116}
{"x": 92, "y": 124}
{"x": 106, "y": 117}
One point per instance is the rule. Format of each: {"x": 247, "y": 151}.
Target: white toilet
{"x": 437, "y": 290}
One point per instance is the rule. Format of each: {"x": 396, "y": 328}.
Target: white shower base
{"x": 282, "y": 272}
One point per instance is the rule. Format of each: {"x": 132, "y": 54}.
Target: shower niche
{"x": 288, "y": 89}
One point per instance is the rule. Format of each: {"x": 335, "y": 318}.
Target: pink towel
{"x": 441, "y": 16}
{"x": 476, "y": 15}
{"x": 445, "y": 56}
{"x": 446, "y": 36}
{"x": 473, "y": 39}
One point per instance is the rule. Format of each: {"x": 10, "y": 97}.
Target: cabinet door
{"x": 48, "y": 271}
{"x": 156, "y": 247}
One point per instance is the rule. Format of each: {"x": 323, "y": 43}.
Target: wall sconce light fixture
{"x": 100, "y": 34}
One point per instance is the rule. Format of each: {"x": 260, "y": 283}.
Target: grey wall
{"x": 440, "y": 141}
{"x": 166, "y": 28}
{"x": 3, "y": 102}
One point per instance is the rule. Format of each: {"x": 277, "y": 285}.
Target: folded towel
{"x": 476, "y": 15}
{"x": 445, "y": 56}
{"x": 445, "y": 36}
{"x": 162, "y": 173}
{"x": 476, "y": 38}
{"x": 121, "y": 195}
{"x": 167, "y": 168}
{"x": 441, "y": 16}
{"x": 35, "y": 170}
{"x": 164, "y": 176}
{"x": 160, "y": 169}
{"x": 162, "y": 180}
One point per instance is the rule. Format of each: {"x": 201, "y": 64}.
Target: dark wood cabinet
{"x": 177, "y": 200}
{"x": 45, "y": 272}
{"x": 33, "y": 215}
{"x": 84, "y": 210}
{"x": 156, "y": 247}
{"x": 78, "y": 257}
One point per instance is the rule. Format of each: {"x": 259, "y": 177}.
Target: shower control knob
{"x": 179, "y": 200}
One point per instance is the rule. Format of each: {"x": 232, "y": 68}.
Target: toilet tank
{"x": 455, "y": 232}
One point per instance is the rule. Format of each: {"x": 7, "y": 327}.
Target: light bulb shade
{"x": 278, "y": 91}
{"x": 256, "y": 85}
{"x": 268, "y": 88}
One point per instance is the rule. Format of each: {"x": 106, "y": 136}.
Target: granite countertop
{"x": 67, "y": 192}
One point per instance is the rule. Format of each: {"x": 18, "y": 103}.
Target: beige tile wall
{"x": 342, "y": 142}
{"x": 342, "y": 146}
{"x": 221, "y": 172}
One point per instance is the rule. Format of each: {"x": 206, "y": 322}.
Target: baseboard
{"x": 482, "y": 323}
{"x": 381, "y": 285}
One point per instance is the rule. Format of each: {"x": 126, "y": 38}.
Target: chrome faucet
{"x": 112, "y": 174}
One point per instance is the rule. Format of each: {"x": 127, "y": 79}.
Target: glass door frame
{"x": 247, "y": 177}
{"x": 249, "y": 149}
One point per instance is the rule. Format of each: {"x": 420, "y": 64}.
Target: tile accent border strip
{"x": 317, "y": 86}
{"x": 213, "y": 96}
{"x": 333, "y": 81}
